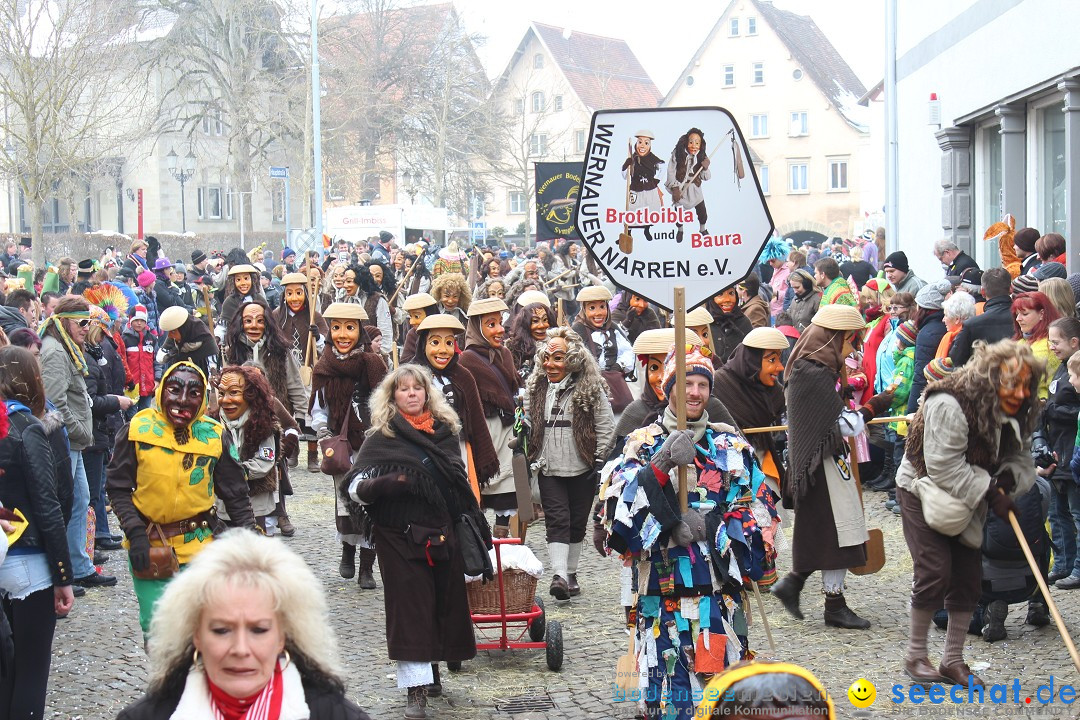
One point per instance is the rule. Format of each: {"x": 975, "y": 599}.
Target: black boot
{"x": 367, "y": 563}
{"x": 347, "y": 566}
{"x": 678, "y": 235}
{"x": 787, "y": 592}
{"x": 887, "y": 479}
{"x": 435, "y": 688}
{"x": 838, "y": 614}
{"x": 648, "y": 233}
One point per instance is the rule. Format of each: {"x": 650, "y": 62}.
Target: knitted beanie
{"x": 906, "y": 332}
{"x": 696, "y": 364}
{"x": 1025, "y": 284}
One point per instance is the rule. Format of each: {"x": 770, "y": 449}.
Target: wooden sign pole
{"x": 680, "y": 379}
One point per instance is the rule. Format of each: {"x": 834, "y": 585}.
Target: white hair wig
{"x": 241, "y": 558}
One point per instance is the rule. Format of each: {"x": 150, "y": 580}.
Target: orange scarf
{"x": 422, "y": 422}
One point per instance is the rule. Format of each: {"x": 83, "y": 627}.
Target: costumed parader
{"x": 188, "y": 339}
{"x": 254, "y": 337}
{"x": 652, "y": 348}
{"x": 693, "y": 567}
{"x": 968, "y": 451}
{"x": 606, "y": 341}
{"x": 749, "y": 385}
{"x": 492, "y": 366}
{"x": 436, "y": 341}
{"x": 571, "y": 431}
{"x": 170, "y": 465}
{"x": 414, "y": 489}
{"x": 246, "y": 405}
{"x": 700, "y": 321}
{"x": 527, "y": 330}
{"x": 453, "y": 294}
{"x": 242, "y": 284}
{"x": 341, "y": 384}
{"x": 418, "y": 307}
{"x": 729, "y": 323}
{"x": 634, "y": 315}
{"x": 830, "y": 527}
{"x": 300, "y": 322}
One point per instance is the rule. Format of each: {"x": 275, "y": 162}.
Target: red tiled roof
{"x": 603, "y": 71}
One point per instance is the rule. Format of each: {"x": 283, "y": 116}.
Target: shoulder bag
{"x": 336, "y": 451}
{"x": 163, "y": 563}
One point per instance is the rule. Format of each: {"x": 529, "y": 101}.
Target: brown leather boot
{"x": 415, "y": 709}
{"x": 313, "y": 457}
{"x": 559, "y": 589}
{"x": 572, "y": 586}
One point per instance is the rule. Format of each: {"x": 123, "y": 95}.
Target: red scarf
{"x": 263, "y": 705}
{"x": 422, "y": 422}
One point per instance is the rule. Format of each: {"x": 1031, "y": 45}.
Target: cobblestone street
{"x": 99, "y": 665}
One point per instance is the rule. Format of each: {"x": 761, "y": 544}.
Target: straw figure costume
{"x": 831, "y": 533}
{"x": 693, "y": 566}
{"x": 170, "y": 465}
{"x": 189, "y": 339}
{"x": 242, "y": 284}
{"x": 341, "y": 384}
{"x": 492, "y": 366}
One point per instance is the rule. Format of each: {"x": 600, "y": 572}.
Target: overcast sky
{"x": 665, "y": 36}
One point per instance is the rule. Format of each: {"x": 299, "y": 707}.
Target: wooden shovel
{"x": 626, "y": 241}
{"x": 626, "y": 667}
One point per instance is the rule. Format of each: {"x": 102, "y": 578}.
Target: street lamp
{"x": 410, "y": 182}
{"x": 181, "y": 170}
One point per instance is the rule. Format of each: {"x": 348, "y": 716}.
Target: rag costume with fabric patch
{"x": 689, "y": 613}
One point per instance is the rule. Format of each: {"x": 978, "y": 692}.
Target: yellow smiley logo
{"x": 862, "y": 693}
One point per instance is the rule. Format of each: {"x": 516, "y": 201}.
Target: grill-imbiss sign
{"x": 669, "y": 197}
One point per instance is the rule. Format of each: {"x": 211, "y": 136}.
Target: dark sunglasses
{"x": 85, "y": 322}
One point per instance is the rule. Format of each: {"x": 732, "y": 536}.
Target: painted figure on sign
{"x": 689, "y": 167}
{"x": 644, "y": 191}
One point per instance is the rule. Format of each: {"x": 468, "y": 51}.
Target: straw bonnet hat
{"x": 839, "y": 317}
{"x": 533, "y": 296}
{"x": 439, "y": 320}
{"x": 696, "y": 318}
{"x": 345, "y": 311}
{"x": 172, "y": 318}
{"x": 486, "y": 306}
{"x": 765, "y": 338}
{"x": 245, "y": 268}
{"x": 593, "y": 292}
{"x": 418, "y": 301}
{"x": 296, "y": 278}
{"x": 660, "y": 341}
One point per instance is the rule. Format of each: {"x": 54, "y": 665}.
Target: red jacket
{"x": 139, "y": 348}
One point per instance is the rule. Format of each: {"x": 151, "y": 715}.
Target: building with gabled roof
{"x": 796, "y": 100}
{"x": 552, "y": 84}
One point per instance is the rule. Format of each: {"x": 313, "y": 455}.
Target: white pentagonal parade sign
{"x": 669, "y": 197}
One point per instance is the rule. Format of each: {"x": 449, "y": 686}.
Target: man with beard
{"x": 690, "y": 564}
{"x": 170, "y": 465}
{"x": 295, "y": 318}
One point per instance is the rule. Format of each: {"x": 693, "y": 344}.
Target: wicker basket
{"x": 520, "y": 589}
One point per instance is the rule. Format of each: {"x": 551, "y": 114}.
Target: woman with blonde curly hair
{"x": 571, "y": 431}
{"x": 413, "y": 486}
{"x": 452, "y": 293}
{"x": 244, "y": 629}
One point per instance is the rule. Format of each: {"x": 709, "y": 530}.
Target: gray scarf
{"x": 698, "y": 427}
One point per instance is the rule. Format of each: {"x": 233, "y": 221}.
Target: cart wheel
{"x": 554, "y": 645}
{"x": 536, "y": 627}
{"x": 453, "y": 665}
